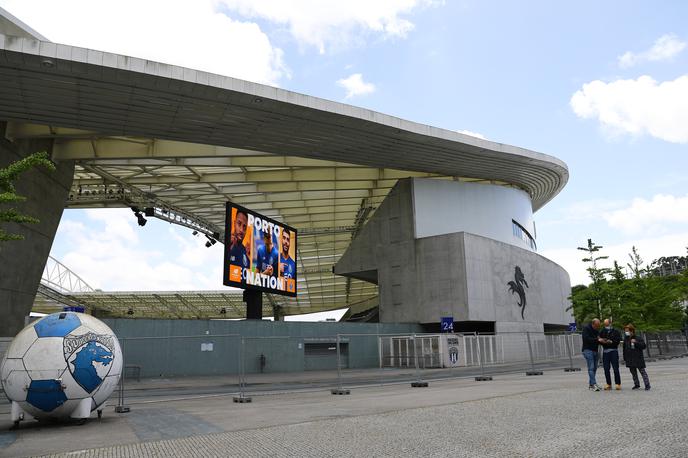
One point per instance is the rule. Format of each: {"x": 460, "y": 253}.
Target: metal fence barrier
{"x": 173, "y": 367}
{"x": 175, "y": 363}
{"x": 159, "y": 369}
{"x": 665, "y": 344}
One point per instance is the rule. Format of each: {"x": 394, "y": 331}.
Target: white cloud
{"x": 665, "y": 48}
{"x": 355, "y": 85}
{"x": 472, "y": 134}
{"x": 333, "y": 24}
{"x": 110, "y": 252}
{"x": 656, "y": 227}
{"x": 192, "y": 34}
{"x": 637, "y": 107}
{"x": 650, "y": 216}
{"x": 649, "y": 248}
{"x": 587, "y": 210}
{"x": 191, "y": 251}
{"x": 116, "y": 225}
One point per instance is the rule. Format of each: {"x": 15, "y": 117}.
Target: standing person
{"x": 591, "y": 341}
{"x": 238, "y": 254}
{"x": 268, "y": 257}
{"x": 633, "y": 347}
{"x": 610, "y": 354}
{"x": 287, "y": 264}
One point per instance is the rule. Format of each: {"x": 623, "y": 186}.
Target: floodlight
{"x": 211, "y": 241}
{"x": 141, "y": 220}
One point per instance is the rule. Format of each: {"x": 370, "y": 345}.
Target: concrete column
{"x": 254, "y": 304}
{"x": 277, "y": 313}
{"x": 22, "y": 262}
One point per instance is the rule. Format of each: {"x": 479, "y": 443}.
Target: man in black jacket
{"x": 610, "y": 354}
{"x": 591, "y": 340}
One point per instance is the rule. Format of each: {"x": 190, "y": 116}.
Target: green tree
{"x": 683, "y": 291}
{"x": 636, "y": 264}
{"x": 635, "y": 291}
{"x": 661, "y": 308}
{"x": 583, "y": 303}
{"x": 650, "y": 300}
{"x": 590, "y": 302}
{"x": 658, "y": 294}
{"x": 597, "y": 274}
{"x": 8, "y": 193}
{"x": 617, "y": 287}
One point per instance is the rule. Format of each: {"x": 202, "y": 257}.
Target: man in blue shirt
{"x": 287, "y": 265}
{"x": 268, "y": 257}
{"x": 238, "y": 255}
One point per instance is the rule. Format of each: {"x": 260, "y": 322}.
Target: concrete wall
{"x": 441, "y": 278}
{"x": 390, "y": 226}
{"x": 446, "y": 207}
{"x": 22, "y": 262}
{"x": 173, "y": 347}
{"x": 490, "y": 266}
{"x": 458, "y": 274}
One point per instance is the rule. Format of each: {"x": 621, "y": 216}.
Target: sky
{"x": 602, "y": 86}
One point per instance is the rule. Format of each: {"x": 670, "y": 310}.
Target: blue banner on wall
{"x": 77, "y": 308}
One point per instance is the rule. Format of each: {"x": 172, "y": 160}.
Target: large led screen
{"x": 260, "y": 253}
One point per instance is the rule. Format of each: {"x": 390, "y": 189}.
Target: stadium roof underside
{"x": 225, "y": 304}
{"x": 184, "y": 142}
{"x": 61, "y": 287}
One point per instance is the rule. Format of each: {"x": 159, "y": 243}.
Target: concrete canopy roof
{"x": 163, "y": 135}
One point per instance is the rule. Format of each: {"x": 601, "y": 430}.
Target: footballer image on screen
{"x": 260, "y": 253}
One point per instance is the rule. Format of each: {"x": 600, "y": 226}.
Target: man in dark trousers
{"x": 610, "y": 354}
{"x": 591, "y": 341}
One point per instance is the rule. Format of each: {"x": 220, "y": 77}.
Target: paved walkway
{"x": 514, "y": 415}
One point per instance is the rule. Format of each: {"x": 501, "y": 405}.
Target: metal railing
{"x": 161, "y": 369}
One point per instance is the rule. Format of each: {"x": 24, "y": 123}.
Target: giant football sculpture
{"x": 63, "y": 366}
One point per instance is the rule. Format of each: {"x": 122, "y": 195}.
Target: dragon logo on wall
{"x": 516, "y": 287}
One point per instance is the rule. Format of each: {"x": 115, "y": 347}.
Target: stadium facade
{"x": 419, "y": 221}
